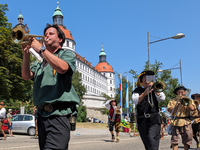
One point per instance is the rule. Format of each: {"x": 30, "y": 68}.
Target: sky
{"x": 122, "y": 27}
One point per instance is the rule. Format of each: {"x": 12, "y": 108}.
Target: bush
{"x": 82, "y": 113}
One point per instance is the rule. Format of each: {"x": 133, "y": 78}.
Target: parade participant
{"x": 181, "y": 123}
{"x": 148, "y": 118}
{"x": 114, "y": 113}
{"x": 53, "y": 92}
{"x": 9, "y": 118}
{"x": 36, "y": 126}
{"x": 133, "y": 121}
{"x": 2, "y": 117}
{"x": 196, "y": 115}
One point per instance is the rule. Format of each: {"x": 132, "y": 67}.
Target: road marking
{"x": 21, "y": 147}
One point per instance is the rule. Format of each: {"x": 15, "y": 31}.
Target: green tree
{"x": 80, "y": 90}
{"x": 77, "y": 83}
{"x": 12, "y": 85}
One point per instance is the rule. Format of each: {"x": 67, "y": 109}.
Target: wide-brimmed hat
{"x": 9, "y": 109}
{"x": 179, "y": 88}
{"x": 112, "y": 100}
{"x": 193, "y": 95}
{"x": 147, "y": 72}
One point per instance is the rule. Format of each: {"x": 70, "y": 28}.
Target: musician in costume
{"x": 181, "y": 124}
{"x": 114, "y": 114}
{"x": 148, "y": 118}
{"x": 196, "y": 116}
{"x": 133, "y": 121}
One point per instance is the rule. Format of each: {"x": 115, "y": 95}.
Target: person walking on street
{"x": 2, "y": 117}
{"x": 114, "y": 113}
{"x": 181, "y": 123}
{"x": 36, "y": 126}
{"x": 196, "y": 115}
{"x": 53, "y": 92}
{"x": 148, "y": 118}
{"x": 9, "y": 118}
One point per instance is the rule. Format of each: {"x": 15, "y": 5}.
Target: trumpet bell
{"x": 17, "y": 34}
{"x": 186, "y": 101}
{"x": 159, "y": 86}
{"x": 20, "y": 35}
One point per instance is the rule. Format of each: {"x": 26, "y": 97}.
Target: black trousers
{"x": 53, "y": 132}
{"x": 150, "y": 134}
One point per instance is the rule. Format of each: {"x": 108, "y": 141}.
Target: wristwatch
{"x": 42, "y": 48}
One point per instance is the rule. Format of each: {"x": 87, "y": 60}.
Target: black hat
{"x": 112, "y": 100}
{"x": 147, "y": 72}
{"x": 193, "y": 95}
{"x": 179, "y": 88}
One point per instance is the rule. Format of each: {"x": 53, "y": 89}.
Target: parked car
{"x": 95, "y": 120}
{"x": 24, "y": 124}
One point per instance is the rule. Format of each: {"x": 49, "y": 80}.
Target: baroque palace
{"x": 97, "y": 80}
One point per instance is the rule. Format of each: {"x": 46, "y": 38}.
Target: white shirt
{"x": 2, "y": 113}
{"x": 135, "y": 97}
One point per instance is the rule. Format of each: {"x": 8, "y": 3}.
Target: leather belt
{"x": 50, "y": 107}
{"x": 147, "y": 115}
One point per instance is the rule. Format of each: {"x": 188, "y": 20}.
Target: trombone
{"x": 185, "y": 101}
{"x": 158, "y": 87}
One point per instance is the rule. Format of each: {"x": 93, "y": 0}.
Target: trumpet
{"x": 20, "y": 35}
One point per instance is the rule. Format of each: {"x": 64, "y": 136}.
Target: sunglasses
{"x": 1, "y": 104}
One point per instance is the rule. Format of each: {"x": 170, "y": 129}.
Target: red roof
{"x": 104, "y": 67}
{"x": 66, "y": 32}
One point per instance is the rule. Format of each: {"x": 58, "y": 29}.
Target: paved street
{"x": 86, "y": 139}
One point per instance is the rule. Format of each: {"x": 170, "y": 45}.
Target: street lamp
{"x": 174, "y": 68}
{"x": 177, "y": 36}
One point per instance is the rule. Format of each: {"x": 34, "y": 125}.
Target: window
{"x": 110, "y": 81}
{"x": 111, "y": 88}
{"x": 67, "y": 43}
{"x": 17, "y": 118}
{"x": 110, "y": 75}
{"x": 27, "y": 118}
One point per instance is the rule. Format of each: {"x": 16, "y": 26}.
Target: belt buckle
{"x": 48, "y": 107}
{"x": 147, "y": 115}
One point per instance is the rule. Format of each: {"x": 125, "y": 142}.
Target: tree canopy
{"x": 12, "y": 85}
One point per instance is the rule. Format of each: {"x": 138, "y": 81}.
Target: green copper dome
{"x": 20, "y": 16}
{"x": 57, "y": 11}
{"x": 102, "y": 52}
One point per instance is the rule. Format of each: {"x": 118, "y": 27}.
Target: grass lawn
{"x": 90, "y": 125}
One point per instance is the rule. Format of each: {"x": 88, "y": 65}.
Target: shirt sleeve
{"x": 107, "y": 104}
{"x": 2, "y": 113}
{"x": 135, "y": 97}
{"x": 69, "y": 57}
{"x": 199, "y": 108}
{"x": 161, "y": 96}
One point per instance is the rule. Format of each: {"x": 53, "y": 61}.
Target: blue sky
{"x": 122, "y": 26}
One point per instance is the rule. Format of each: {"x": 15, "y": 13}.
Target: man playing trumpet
{"x": 180, "y": 122}
{"x": 148, "y": 118}
{"x": 196, "y": 115}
